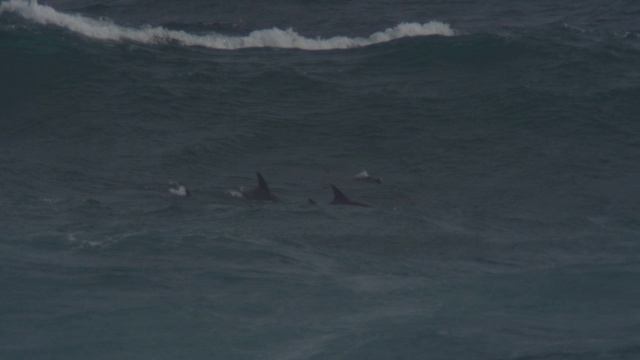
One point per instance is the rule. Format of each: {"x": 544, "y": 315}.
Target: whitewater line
{"x": 107, "y": 30}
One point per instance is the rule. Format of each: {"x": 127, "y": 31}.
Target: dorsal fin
{"x": 262, "y": 192}
{"x": 338, "y": 196}
{"x": 262, "y": 183}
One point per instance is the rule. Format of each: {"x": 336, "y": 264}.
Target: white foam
{"x": 362, "y": 174}
{"x": 177, "y": 189}
{"x": 235, "y": 193}
{"x": 107, "y": 30}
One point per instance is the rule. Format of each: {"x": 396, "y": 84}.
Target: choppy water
{"x": 506, "y": 135}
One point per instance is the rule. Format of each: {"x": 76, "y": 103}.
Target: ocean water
{"x": 506, "y": 134}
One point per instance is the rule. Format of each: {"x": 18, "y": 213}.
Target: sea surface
{"x": 506, "y": 135}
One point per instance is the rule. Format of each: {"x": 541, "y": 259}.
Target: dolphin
{"x": 261, "y": 193}
{"x": 339, "y": 198}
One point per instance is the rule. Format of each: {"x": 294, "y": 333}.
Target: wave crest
{"x": 276, "y": 38}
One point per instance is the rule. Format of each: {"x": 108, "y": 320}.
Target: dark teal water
{"x": 506, "y": 136}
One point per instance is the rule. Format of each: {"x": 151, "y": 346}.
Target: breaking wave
{"x": 106, "y": 30}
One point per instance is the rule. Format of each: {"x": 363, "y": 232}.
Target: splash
{"x": 276, "y": 38}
